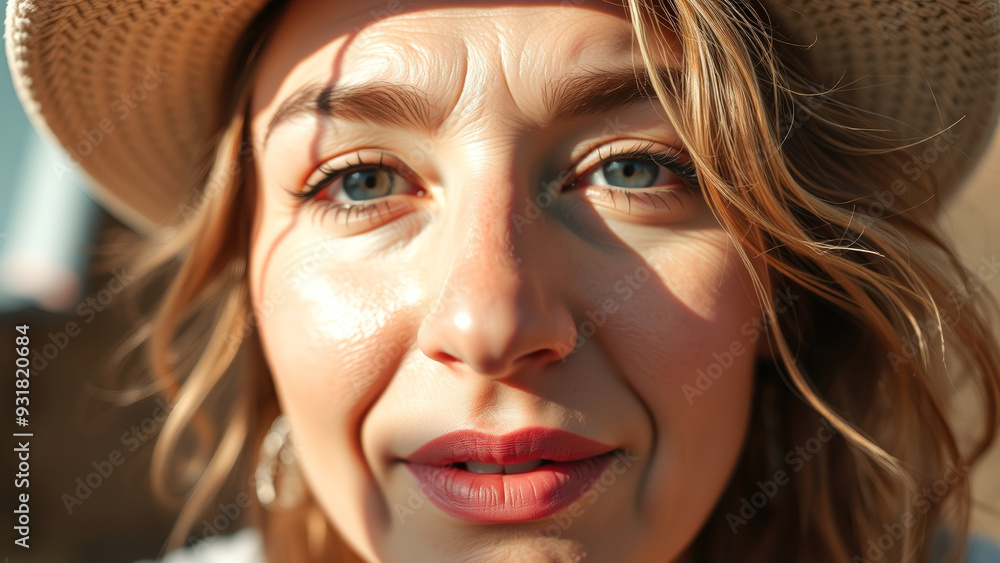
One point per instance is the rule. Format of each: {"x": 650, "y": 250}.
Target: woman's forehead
{"x": 446, "y": 49}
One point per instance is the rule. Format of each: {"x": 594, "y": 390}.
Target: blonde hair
{"x": 881, "y": 302}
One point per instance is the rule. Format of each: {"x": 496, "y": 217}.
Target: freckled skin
{"x": 463, "y": 308}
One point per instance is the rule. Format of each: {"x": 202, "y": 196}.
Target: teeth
{"x": 523, "y": 467}
{"x": 477, "y": 467}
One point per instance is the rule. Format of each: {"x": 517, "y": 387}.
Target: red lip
{"x": 522, "y": 445}
{"x": 575, "y": 463}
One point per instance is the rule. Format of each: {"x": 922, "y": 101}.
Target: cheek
{"x": 691, "y": 359}
{"x": 333, "y": 318}
{"x": 710, "y": 352}
{"x": 696, "y": 315}
{"x": 330, "y": 338}
{"x": 329, "y": 347}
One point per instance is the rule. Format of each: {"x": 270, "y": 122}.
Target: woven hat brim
{"x": 921, "y": 68}
{"x": 133, "y": 89}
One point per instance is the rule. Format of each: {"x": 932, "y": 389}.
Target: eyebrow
{"x": 594, "y": 93}
{"x": 407, "y": 107}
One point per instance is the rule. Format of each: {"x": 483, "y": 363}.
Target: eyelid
{"x": 652, "y": 205}
{"x": 362, "y": 158}
{"x": 596, "y": 156}
{"x": 379, "y": 210}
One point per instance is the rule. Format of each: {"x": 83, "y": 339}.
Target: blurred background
{"x": 90, "y": 499}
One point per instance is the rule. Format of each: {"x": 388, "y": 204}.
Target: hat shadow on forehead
{"x": 925, "y": 66}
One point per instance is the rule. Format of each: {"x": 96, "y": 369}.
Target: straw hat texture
{"x": 134, "y": 89}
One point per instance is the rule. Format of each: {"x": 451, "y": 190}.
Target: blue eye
{"x": 364, "y": 189}
{"x": 368, "y": 183}
{"x": 639, "y": 169}
{"x": 359, "y": 182}
{"x": 630, "y": 173}
{"x": 649, "y": 186}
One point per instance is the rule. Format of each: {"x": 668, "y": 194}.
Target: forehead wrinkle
{"x": 437, "y": 67}
{"x": 494, "y": 61}
{"x": 574, "y": 47}
{"x": 467, "y": 75}
{"x": 552, "y": 62}
{"x": 475, "y": 79}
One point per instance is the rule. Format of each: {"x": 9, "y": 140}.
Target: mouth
{"x": 517, "y": 477}
{"x": 495, "y": 468}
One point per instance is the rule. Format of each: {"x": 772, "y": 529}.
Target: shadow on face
{"x": 477, "y": 219}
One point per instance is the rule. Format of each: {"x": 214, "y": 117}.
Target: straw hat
{"x": 134, "y": 89}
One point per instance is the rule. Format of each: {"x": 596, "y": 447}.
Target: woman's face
{"x": 499, "y": 315}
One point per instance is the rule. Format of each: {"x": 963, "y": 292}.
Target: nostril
{"x": 446, "y": 357}
{"x": 544, "y": 354}
{"x": 441, "y": 356}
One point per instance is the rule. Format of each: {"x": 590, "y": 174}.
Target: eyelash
{"x": 331, "y": 175}
{"x": 684, "y": 170}
{"x": 671, "y": 161}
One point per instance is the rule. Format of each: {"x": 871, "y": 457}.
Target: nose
{"x": 500, "y": 310}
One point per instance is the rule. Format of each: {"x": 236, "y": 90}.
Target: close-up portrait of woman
{"x": 640, "y": 281}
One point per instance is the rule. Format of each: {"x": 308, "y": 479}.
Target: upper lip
{"x": 519, "y": 446}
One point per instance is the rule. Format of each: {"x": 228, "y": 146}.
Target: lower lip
{"x": 496, "y": 498}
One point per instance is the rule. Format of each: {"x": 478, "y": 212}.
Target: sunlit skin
{"x": 460, "y": 305}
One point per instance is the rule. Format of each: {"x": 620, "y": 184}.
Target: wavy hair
{"x": 859, "y": 356}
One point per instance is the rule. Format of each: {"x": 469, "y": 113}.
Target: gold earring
{"x": 276, "y": 461}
